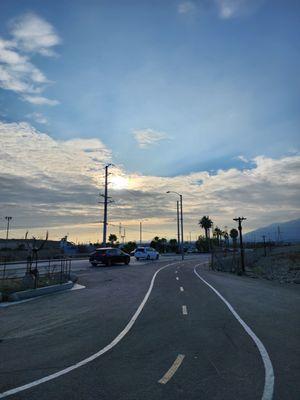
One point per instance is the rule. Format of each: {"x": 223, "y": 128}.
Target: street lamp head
{"x": 172, "y": 191}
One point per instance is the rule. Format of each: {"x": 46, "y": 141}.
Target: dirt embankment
{"x": 283, "y": 265}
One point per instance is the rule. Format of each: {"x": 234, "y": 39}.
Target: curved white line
{"x": 99, "y": 353}
{"x": 269, "y": 372}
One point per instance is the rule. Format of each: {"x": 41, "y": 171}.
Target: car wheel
{"x": 108, "y": 263}
{"x": 94, "y": 264}
{"x": 127, "y": 261}
{"x": 137, "y": 258}
{"x": 148, "y": 257}
{"x": 157, "y": 257}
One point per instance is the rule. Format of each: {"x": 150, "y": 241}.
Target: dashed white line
{"x": 269, "y": 372}
{"x": 177, "y": 278}
{"x": 184, "y": 310}
{"x": 176, "y": 364}
{"x": 99, "y": 353}
{"x": 181, "y": 289}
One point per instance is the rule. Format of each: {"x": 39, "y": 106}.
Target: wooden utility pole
{"x": 239, "y": 220}
{"x": 8, "y": 219}
{"x": 265, "y": 250}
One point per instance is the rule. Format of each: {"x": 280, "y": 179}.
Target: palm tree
{"x": 226, "y": 238}
{"x": 234, "y": 234}
{"x": 112, "y": 238}
{"x": 218, "y": 234}
{"x": 206, "y": 223}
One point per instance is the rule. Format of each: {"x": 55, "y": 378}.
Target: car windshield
{"x": 141, "y": 249}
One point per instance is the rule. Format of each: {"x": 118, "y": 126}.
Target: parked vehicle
{"x": 146, "y": 253}
{"x": 109, "y": 256}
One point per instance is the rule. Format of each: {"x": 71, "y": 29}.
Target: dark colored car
{"x": 109, "y": 256}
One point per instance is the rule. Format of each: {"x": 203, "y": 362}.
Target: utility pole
{"x": 123, "y": 236}
{"x": 106, "y": 201}
{"x": 239, "y": 220}
{"x": 181, "y": 221}
{"x": 178, "y": 229}
{"x": 265, "y": 250}
{"x": 8, "y": 219}
{"x": 141, "y": 232}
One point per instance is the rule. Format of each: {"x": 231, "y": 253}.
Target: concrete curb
{"x": 27, "y": 294}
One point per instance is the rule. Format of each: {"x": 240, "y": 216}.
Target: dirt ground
{"x": 282, "y": 264}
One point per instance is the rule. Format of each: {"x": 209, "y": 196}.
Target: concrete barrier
{"x": 27, "y": 294}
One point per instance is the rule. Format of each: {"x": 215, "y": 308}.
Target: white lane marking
{"x": 77, "y": 287}
{"x": 174, "y": 367}
{"x": 269, "y": 371}
{"x": 184, "y": 310}
{"x": 176, "y": 272}
{"x": 177, "y": 278}
{"x": 99, "y": 353}
{"x": 181, "y": 289}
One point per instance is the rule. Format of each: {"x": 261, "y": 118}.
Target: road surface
{"x": 154, "y": 331}
{"x": 18, "y": 269}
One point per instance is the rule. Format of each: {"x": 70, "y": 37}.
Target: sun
{"x": 119, "y": 182}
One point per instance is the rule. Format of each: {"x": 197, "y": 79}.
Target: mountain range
{"x": 279, "y": 232}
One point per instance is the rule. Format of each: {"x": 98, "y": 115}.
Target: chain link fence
{"x": 230, "y": 260}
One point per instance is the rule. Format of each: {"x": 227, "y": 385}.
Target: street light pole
{"x": 141, "y": 232}
{"x": 181, "y": 221}
{"x": 178, "y": 227}
{"x": 8, "y": 219}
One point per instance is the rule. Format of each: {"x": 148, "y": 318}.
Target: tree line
{"x": 219, "y": 236}
{"x": 213, "y": 236}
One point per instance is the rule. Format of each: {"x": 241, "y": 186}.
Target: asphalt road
{"x": 181, "y": 341}
{"x": 17, "y": 269}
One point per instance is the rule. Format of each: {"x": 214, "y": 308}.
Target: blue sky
{"x": 163, "y": 89}
{"x": 216, "y": 87}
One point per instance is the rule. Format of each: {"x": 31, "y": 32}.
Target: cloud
{"x": 49, "y": 183}
{"x": 148, "y": 137}
{"x": 234, "y": 8}
{"x": 38, "y": 117}
{"x": 186, "y": 7}
{"x": 242, "y": 158}
{"x": 29, "y": 35}
{"x": 28, "y": 152}
{"x": 40, "y": 100}
{"x": 34, "y": 35}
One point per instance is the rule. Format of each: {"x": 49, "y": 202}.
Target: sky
{"x": 199, "y": 97}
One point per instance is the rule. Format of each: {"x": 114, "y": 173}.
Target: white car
{"x": 146, "y": 253}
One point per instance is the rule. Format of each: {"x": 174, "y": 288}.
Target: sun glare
{"x": 119, "y": 182}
